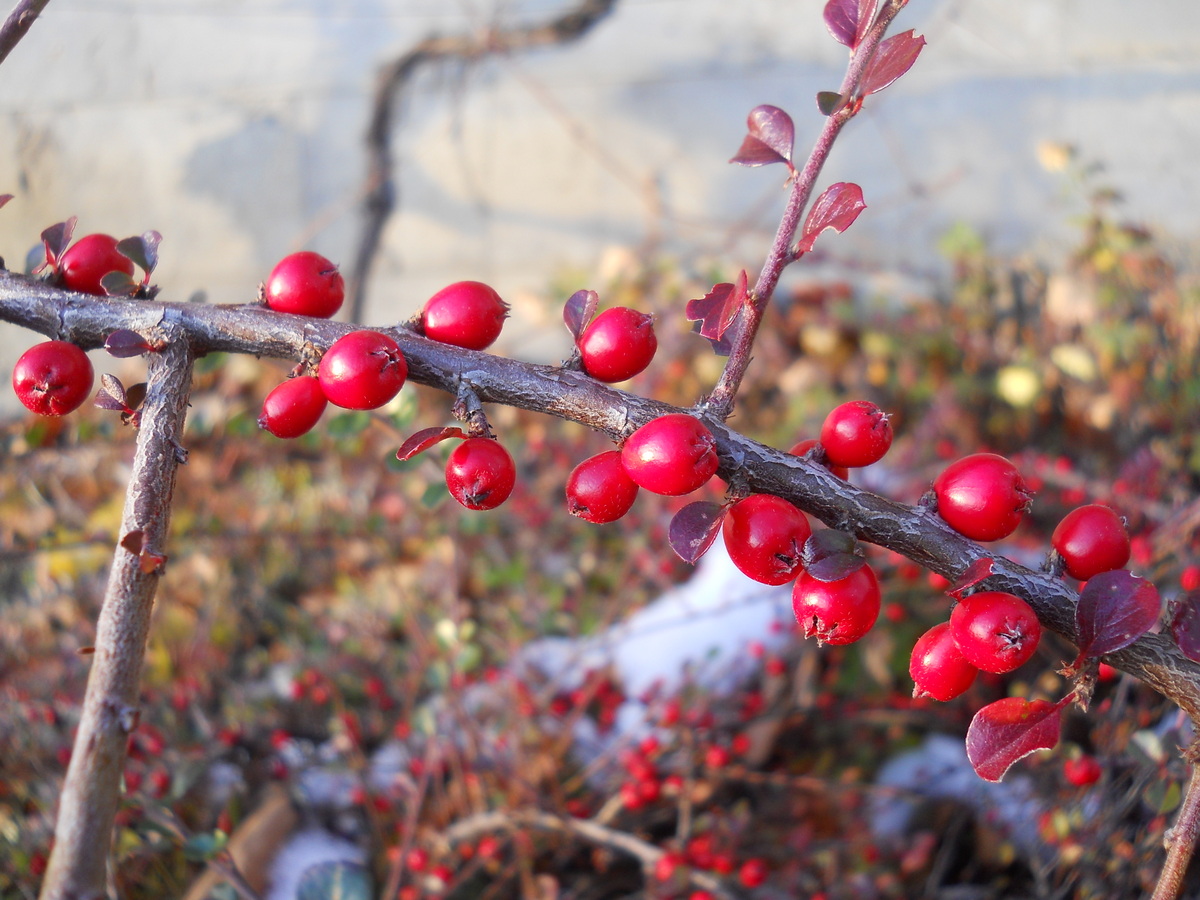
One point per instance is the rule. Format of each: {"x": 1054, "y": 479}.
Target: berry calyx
{"x": 599, "y": 489}
{"x": 674, "y": 455}
{"x": 764, "y": 535}
{"x": 466, "y": 314}
{"x": 995, "y": 631}
{"x": 1091, "y": 539}
{"x": 362, "y": 370}
{"x": 802, "y": 447}
{"x": 856, "y": 434}
{"x": 480, "y": 473}
{"x": 53, "y": 378}
{"x": 88, "y": 260}
{"x": 982, "y": 496}
{"x": 294, "y": 407}
{"x": 617, "y": 344}
{"x": 837, "y": 612}
{"x": 306, "y": 284}
{"x": 937, "y": 666}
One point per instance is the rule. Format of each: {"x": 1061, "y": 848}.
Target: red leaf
{"x": 578, "y": 311}
{"x": 142, "y": 249}
{"x": 111, "y": 394}
{"x": 770, "y": 139}
{"x": 831, "y": 555}
{"x": 894, "y": 57}
{"x": 124, "y": 343}
{"x": 866, "y": 18}
{"x": 719, "y": 308}
{"x": 1114, "y": 610}
{"x": 426, "y": 438}
{"x": 836, "y": 208}
{"x": 4, "y": 198}
{"x": 694, "y": 528}
{"x": 841, "y": 18}
{"x": 1185, "y": 625}
{"x": 57, "y": 238}
{"x": 1010, "y": 729}
{"x": 976, "y": 572}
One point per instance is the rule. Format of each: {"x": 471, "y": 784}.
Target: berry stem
{"x": 720, "y": 402}
{"x": 91, "y": 792}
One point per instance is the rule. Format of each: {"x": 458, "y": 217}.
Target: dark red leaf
{"x": 118, "y": 284}
{"x": 133, "y": 541}
{"x": 1114, "y": 610}
{"x": 694, "y": 528}
{"x": 894, "y": 57}
{"x": 426, "y": 438}
{"x": 142, "y": 249}
{"x": 57, "y": 238}
{"x": 1185, "y": 625}
{"x": 135, "y": 394}
{"x": 830, "y": 555}
{"x": 124, "y": 343}
{"x": 836, "y": 208}
{"x": 1008, "y": 730}
{"x": 866, "y": 18}
{"x": 111, "y": 394}
{"x": 829, "y": 102}
{"x": 578, "y": 311}
{"x": 770, "y": 139}
{"x": 976, "y": 572}
{"x": 718, "y": 309}
{"x": 841, "y": 18}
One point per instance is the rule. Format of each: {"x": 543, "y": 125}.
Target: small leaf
{"x": 150, "y": 562}
{"x": 1185, "y": 625}
{"x": 829, "y": 102}
{"x": 4, "y": 198}
{"x": 111, "y": 394}
{"x": 1010, "y": 729}
{"x": 770, "y": 139}
{"x": 578, "y": 311}
{"x": 978, "y": 571}
{"x": 831, "y": 555}
{"x": 133, "y": 541}
{"x": 694, "y": 528}
{"x": 1114, "y": 610}
{"x": 118, "y": 284}
{"x": 836, "y": 208}
{"x": 142, "y": 249}
{"x": 718, "y": 309}
{"x": 841, "y": 18}
{"x": 57, "y": 238}
{"x": 894, "y": 57}
{"x": 426, "y": 438}
{"x": 124, "y": 343}
{"x": 135, "y": 395}
{"x": 338, "y": 880}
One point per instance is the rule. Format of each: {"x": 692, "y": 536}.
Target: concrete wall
{"x": 235, "y": 128}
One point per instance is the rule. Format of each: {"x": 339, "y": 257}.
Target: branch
{"x": 1181, "y": 838}
{"x": 379, "y": 186}
{"x": 90, "y": 796}
{"x": 18, "y": 23}
{"x": 720, "y": 402}
{"x": 912, "y": 531}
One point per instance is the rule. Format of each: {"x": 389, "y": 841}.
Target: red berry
{"x": 674, "y": 454}
{"x": 855, "y": 434}
{"x": 1083, "y": 771}
{"x": 937, "y": 666}
{"x": 617, "y": 344}
{"x": 306, "y": 284}
{"x": 982, "y": 496}
{"x": 466, "y": 314}
{"x": 753, "y": 873}
{"x": 665, "y": 865}
{"x": 1091, "y": 539}
{"x": 53, "y": 378}
{"x": 802, "y": 447}
{"x": 599, "y": 489}
{"x": 764, "y": 535}
{"x": 362, "y": 370}
{"x": 995, "y": 631}
{"x": 837, "y": 612}
{"x": 480, "y": 473}
{"x": 88, "y": 260}
{"x": 294, "y": 407}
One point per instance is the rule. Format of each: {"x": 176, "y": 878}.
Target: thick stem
{"x": 18, "y": 23}
{"x": 720, "y": 401}
{"x": 1181, "y": 839}
{"x": 91, "y": 792}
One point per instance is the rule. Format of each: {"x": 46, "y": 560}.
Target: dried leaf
{"x": 578, "y": 311}
{"x": 1010, "y": 729}
{"x": 57, "y": 238}
{"x": 133, "y": 541}
{"x": 694, "y": 528}
{"x": 426, "y": 438}
{"x": 836, "y": 208}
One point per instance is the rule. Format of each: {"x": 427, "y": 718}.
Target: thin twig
{"x": 18, "y": 23}
{"x": 1181, "y": 838}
